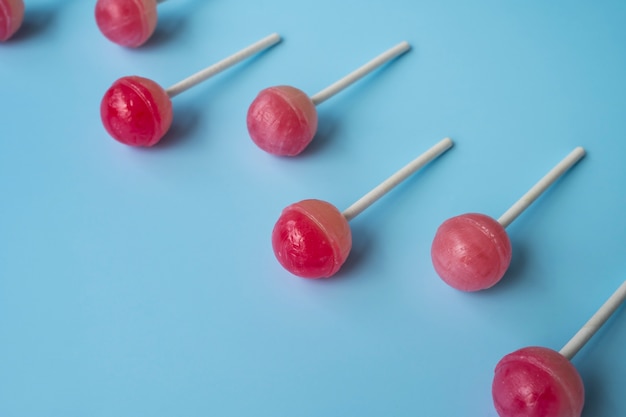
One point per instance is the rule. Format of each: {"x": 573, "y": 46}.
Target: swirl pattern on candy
{"x": 11, "y": 18}
{"x": 312, "y": 238}
{"x": 472, "y": 252}
{"x": 290, "y": 125}
{"x": 136, "y": 111}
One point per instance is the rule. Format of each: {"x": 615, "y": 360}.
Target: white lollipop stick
{"x": 543, "y": 184}
{"x": 356, "y": 75}
{"x": 200, "y": 76}
{"x": 576, "y": 343}
{"x": 386, "y": 186}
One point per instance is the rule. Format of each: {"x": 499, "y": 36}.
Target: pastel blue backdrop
{"x": 141, "y": 282}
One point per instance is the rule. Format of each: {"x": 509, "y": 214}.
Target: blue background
{"x": 141, "y": 282}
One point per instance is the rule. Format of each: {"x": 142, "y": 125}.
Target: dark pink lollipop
{"x": 11, "y": 17}
{"x": 472, "y": 251}
{"x": 127, "y": 22}
{"x": 282, "y": 120}
{"x": 540, "y": 382}
{"x": 312, "y": 238}
{"x": 138, "y": 112}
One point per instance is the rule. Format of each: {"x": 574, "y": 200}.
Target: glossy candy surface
{"x": 136, "y": 111}
{"x": 537, "y": 382}
{"x": 282, "y": 120}
{"x": 471, "y": 252}
{"x": 127, "y": 22}
{"x": 311, "y": 239}
{"x": 11, "y": 17}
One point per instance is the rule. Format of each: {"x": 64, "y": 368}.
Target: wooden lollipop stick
{"x": 356, "y": 75}
{"x": 543, "y": 184}
{"x": 386, "y": 186}
{"x": 596, "y": 321}
{"x": 200, "y": 76}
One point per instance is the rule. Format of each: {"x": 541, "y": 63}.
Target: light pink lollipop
{"x": 282, "y": 120}
{"x": 472, "y": 251}
{"x": 128, "y": 23}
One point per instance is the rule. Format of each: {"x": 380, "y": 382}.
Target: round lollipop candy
{"x": 138, "y": 112}
{"x": 472, "y": 251}
{"x": 312, "y": 238}
{"x": 127, "y": 22}
{"x": 540, "y": 382}
{"x": 282, "y": 120}
{"x": 11, "y": 17}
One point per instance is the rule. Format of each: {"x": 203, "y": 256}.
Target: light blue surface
{"x": 141, "y": 282}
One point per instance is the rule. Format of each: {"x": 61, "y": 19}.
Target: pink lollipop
{"x": 472, "y": 251}
{"x": 138, "y": 112}
{"x": 312, "y": 238}
{"x": 540, "y": 382}
{"x": 282, "y": 120}
{"x": 127, "y": 22}
{"x": 11, "y": 17}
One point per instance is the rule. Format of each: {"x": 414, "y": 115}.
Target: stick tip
{"x": 275, "y": 37}
{"x": 404, "y": 45}
{"x": 577, "y": 154}
{"x": 447, "y": 142}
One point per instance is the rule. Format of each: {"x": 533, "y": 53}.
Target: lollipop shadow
{"x": 594, "y": 396}
{"x": 36, "y": 21}
{"x": 168, "y": 29}
{"x": 514, "y": 275}
{"x": 186, "y": 123}
{"x": 170, "y": 25}
{"x": 327, "y": 130}
{"x": 594, "y": 364}
{"x": 358, "y": 254}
